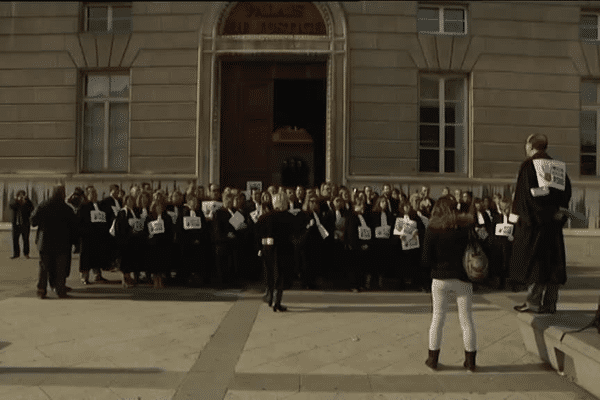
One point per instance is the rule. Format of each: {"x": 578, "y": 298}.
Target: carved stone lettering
{"x": 266, "y": 18}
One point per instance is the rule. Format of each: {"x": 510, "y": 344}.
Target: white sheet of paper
{"x": 409, "y": 227}
{"x": 550, "y": 173}
{"x": 98, "y": 216}
{"x": 364, "y": 233}
{"x": 156, "y": 227}
{"x": 504, "y": 229}
{"x": 236, "y": 220}
{"x": 192, "y": 223}
{"x": 382, "y": 232}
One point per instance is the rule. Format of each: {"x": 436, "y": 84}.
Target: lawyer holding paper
{"x": 538, "y": 256}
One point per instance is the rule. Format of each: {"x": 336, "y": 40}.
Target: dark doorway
{"x": 301, "y": 103}
{"x": 272, "y": 122}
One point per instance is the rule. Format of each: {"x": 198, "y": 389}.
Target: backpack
{"x": 475, "y": 261}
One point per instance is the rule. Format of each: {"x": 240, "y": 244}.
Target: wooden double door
{"x": 260, "y": 97}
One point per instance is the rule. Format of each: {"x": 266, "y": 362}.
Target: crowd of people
{"x": 355, "y": 237}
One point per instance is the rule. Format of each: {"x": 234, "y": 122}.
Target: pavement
{"x": 110, "y": 343}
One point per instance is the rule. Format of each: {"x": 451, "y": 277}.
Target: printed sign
{"x": 364, "y": 233}
{"x": 98, "y": 216}
{"x": 409, "y": 242}
{"x": 192, "y": 223}
{"x": 156, "y": 227}
{"x": 209, "y": 207}
{"x": 382, "y": 232}
{"x": 550, "y": 173}
{"x": 136, "y": 223}
{"x": 504, "y": 229}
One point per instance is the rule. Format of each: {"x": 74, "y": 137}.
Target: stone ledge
{"x": 577, "y": 356}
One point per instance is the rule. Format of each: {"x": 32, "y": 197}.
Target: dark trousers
{"x": 226, "y": 260}
{"x": 53, "y": 267}
{"x": 542, "y": 296}
{"x": 273, "y": 274}
{"x": 17, "y": 231}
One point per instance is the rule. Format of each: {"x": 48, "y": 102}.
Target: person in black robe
{"x": 113, "y": 203}
{"x": 193, "y": 240}
{"x": 538, "y": 256}
{"x": 358, "y": 235}
{"x": 131, "y": 239}
{"x": 174, "y": 210}
{"x": 95, "y": 238}
{"x": 227, "y": 242}
{"x": 158, "y": 227}
{"x": 501, "y": 246}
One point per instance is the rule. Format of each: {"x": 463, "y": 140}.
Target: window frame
{"x": 441, "y": 148}
{"x": 441, "y": 21}
{"x": 596, "y": 108}
{"x": 109, "y": 6}
{"x": 597, "y": 15}
{"x": 106, "y": 101}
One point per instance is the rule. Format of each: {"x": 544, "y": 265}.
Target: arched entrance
{"x": 275, "y": 110}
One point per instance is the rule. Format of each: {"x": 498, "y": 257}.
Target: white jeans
{"x": 441, "y": 290}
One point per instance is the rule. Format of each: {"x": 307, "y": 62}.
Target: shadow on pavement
{"x": 59, "y": 370}
{"x": 500, "y": 369}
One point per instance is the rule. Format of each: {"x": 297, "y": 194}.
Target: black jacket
{"x": 26, "y": 209}
{"x": 443, "y": 252}
{"x": 57, "y": 226}
{"x": 351, "y": 239}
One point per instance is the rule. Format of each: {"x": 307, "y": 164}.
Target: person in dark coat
{"x": 445, "y": 242}
{"x": 193, "y": 239}
{"x": 112, "y": 204}
{"x": 279, "y": 228}
{"x": 57, "y": 227}
{"x": 382, "y": 220}
{"x": 21, "y": 207}
{"x": 226, "y": 242}
{"x": 408, "y": 261}
{"x": 538, "y": 256}
{"x": 501, "y": 244}
{"x": 95, "y": 238}
{"x": 130, "y": 240}
{"x": 312, "y": 243}
{"x": 358, "y": 235}
{"x": 158, "y": 227}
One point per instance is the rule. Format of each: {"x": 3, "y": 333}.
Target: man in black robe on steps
{"x": 538, "y": 257}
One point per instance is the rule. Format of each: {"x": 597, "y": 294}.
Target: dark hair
{"x": 538, "y": 141}
{"x": 444, "y": 215}
{"x": 138, "y": 201}
{"x": 113, "y": 187}
{"x": 21, "y": 192}
{"x": 59, "y": 193}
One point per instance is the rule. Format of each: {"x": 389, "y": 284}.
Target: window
{"x": 588, "y": 27}
{"x": 105, "y": 122}
{"x": 442, "y": 124}
{"x": 442, "y": 20}
{"x": 588, "y": 128}
{"x": 107, "y": 17}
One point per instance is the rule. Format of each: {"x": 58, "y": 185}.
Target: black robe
{"x": 95, "y": 239}
{"x": 538, "y": 254}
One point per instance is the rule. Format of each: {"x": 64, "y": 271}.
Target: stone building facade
{"x": 407, "y": 93}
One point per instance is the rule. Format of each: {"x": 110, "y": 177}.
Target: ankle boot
{"x": 432, "y": 361}
{"x": 470, "y": 360}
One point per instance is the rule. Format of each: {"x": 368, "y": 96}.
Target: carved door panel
{"x": 246, "y": 125}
